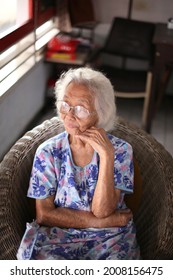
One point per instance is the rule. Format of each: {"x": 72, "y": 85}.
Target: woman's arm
{"x": 47, "y": 214}
{"x": 105, "y": 196}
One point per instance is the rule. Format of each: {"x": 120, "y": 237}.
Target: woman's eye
{"x": 65, "y": 105}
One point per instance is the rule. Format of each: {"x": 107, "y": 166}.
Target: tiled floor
{"x": 162, "y": 127}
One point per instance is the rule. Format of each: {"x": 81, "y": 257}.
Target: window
{"x": 23, "y": 37}
{"x": 23, "y": 17}
{"x": 15, "y": 22}
{"x": 11, "y": 19}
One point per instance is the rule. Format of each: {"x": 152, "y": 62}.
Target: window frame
{"x": 38, "y": 17}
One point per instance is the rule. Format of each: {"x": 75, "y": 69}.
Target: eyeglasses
{"x": 79, "y": 111}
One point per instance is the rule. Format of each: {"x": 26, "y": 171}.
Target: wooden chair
{"x": 152, "y": 202}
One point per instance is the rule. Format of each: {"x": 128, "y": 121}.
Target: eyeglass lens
{"x": 79, "y": 111}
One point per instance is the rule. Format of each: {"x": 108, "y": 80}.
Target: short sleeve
{"x": 124, "y": 168}
{"x": 43, "y": 181}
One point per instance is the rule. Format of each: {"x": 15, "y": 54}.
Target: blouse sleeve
{"x": 43, "y": 181}
{"x": 123, "y": 168}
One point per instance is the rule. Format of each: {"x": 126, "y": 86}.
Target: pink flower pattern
{"x": 54, "y": 173}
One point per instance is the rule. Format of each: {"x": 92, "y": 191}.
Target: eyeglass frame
{"x": 72, "y": 107}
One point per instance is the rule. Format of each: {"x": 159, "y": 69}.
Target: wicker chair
{"x": 153, "y": 217}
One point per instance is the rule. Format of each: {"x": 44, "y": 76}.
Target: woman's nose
{"x": 71, "y": 112}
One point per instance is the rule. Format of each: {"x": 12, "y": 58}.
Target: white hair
{"x": 99, "y": 86}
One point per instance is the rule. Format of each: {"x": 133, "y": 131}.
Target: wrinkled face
{"x": 79, "y": 95}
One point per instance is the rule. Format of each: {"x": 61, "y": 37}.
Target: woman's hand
{"x": 98, "y": 140}
{"x": 118, "y": 218}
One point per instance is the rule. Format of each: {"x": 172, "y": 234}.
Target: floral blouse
{"x": 55, "y": 173}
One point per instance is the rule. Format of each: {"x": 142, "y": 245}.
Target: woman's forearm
{"x": 67, "y": 218}
{"x": 105, "y": 196}
{"x": 70, "y": 218}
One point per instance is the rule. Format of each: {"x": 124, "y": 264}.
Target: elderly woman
{"x": 79, "y": 179}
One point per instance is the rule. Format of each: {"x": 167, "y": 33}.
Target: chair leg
{"x": 146, "y": 101}
{"x": 163, "y": 84}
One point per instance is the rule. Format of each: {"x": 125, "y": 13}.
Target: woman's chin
{"x": 72, "y": 130}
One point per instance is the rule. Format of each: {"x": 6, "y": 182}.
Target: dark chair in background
{"x": 128, "y": 63}
{"x": 152, "y": 203}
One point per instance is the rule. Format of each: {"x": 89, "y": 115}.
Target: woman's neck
{"x": 77, "y": 143}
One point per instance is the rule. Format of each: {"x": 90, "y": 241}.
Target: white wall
{"x": 19, "y": 106}
{"x": 154, "y": 11}
{"x": 106, "y": 10}
{"x": 149, "y": 10}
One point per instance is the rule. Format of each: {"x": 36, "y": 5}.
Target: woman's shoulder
{"x": 56, "y": 141}
{"x": 118, "y": 142}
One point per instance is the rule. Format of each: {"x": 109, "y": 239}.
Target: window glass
{"x": 15, "y": 16}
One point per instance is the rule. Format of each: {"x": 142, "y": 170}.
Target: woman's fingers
{"x": 94, "y": 134}
{"x": 124, "y": 216}
{"x": 124, "y": 211}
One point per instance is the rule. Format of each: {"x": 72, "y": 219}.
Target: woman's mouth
{"x": 71, "y": 125}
